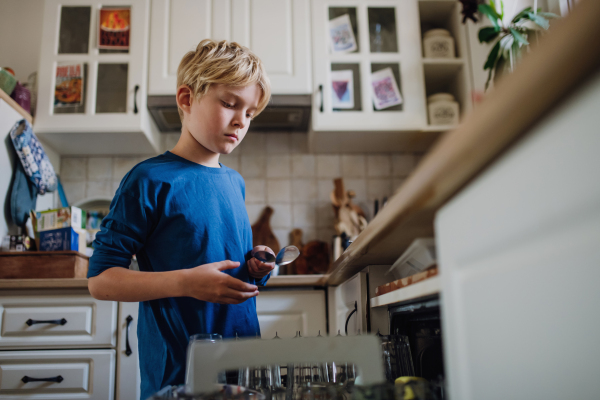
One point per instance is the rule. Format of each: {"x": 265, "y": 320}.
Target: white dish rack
{"x": 206, "y": 360}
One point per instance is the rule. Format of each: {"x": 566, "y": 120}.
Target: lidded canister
{"x": 438, "y": 43}
{"x": 442, "y": 109}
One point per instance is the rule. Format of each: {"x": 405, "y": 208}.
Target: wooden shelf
{"x": 420, "y": 289}
{"x": 73, "y": 283}
{"x": 464, "y": 153}
{"x": 16, "y": 106}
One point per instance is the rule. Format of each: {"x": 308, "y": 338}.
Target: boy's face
{"x": 220, "y": 119}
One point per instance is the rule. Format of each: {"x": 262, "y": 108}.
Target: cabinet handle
{"x": 57, "y": 379}
{"x": 127, "y": 347}
{"x": 321, "y": 93}
{"x": 135, "y": 107}
{"x": 348, "y": 319}
{"x": 50, "y": 321}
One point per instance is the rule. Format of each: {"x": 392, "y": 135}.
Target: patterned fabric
{"x": 35, "y": 162}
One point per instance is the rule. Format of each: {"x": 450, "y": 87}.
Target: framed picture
{"x": 342, "y": 89}
{"x": 385, "y": 89}
{"x": 114, "y": 28}
{"x": 68, "y": 87}
{"x": 341, "y": 35}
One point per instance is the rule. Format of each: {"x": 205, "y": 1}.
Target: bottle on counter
{"x": 442, "y": 109}
{"x": 438, "y": 43}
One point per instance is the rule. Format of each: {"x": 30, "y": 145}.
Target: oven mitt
{"x": 35, "y": 162}
{"x": 23, "y": 196}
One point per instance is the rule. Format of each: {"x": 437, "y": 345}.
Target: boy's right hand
{"x": 208, "y": 283}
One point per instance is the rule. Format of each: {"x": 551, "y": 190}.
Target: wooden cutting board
{"x": 314, "y": 255}
{"x": 262, "y": 235}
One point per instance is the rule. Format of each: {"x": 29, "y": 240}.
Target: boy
{"x": 183, "y": 214}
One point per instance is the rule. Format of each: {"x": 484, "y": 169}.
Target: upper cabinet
{"x": 278, "y": 31}
{"x": 92, "y": 78}
{"x": 367, "y": 66}
{"x": 374, "y": 71}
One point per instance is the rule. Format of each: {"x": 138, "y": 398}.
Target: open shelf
{"x": 296, "y": 280}
{"x": 421, "y": 289}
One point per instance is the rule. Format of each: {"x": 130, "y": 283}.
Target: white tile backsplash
{"x": 252, "y": 166}
{"x": 304, "y": 190}
{"x": 282, "y": 216}
{"x": 99, "y": 168}
{"x": 353, "y": 166}
{"x": 279, "y": 190}
{"x": 304, "y": 166}
{"x": 294, "y": 182}
{"x": 403, "y": 164}
{"x": 278, "y": 166}
{"x": 73, "y": 169}
{"x": 329, "y": 166}
{"x": 379, "y": 166}
{"x": 256, "y": 191}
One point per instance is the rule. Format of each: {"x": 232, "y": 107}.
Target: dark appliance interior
{"x": 420, "y": 322}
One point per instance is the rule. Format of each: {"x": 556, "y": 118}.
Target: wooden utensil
{"x": 262, "y": 235}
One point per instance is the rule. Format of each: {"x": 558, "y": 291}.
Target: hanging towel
{"x": 34, "y": 160}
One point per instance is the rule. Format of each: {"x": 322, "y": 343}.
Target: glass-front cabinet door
{"x": 92, "y": 76}
{"x": 367, "y": 66}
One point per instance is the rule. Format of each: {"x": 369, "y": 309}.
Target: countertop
{"x": 78, "y": 283}
{"x": 521, "y": 100}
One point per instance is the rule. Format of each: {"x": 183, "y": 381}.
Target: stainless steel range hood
{"x": 285, "y": 113}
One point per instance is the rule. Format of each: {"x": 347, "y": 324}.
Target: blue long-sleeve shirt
{"x": 174, "y": 214}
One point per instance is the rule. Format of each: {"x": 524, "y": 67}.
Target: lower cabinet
{"x": 67, "y": 345}
{"x": 57, "y": 374}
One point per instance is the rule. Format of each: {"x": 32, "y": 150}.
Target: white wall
{"x": 20, "y": 48}
{"x": 21, "y": 33}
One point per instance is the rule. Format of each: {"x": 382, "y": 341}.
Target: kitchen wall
{"x": 293, "y": 181}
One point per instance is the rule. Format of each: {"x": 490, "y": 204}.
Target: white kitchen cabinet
{"x": 518, "y": 255}
{"x": 387, "y": 36}
{"x": 128, "y": 368}
{"x": 285, "y": 312}
{"x": 66, "y": 374}
{"x": 342, "y": 300}
{"x": 89, "y": 350}
{"x": 278, "y": 31}
{"x": 112, "y": 117}
{"x": 57, "y": 321}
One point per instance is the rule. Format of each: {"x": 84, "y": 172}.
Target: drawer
{"x": 57, "y": 321}
{"x": 67, "y": 374}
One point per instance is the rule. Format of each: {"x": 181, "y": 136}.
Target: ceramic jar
{"x": 438, "y": 43}
{"x": 442, "y": 109}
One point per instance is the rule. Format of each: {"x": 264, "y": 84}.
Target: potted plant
{"x": 510, "y": 38}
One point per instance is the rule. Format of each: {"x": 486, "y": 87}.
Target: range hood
{"x": 286, "y": 113}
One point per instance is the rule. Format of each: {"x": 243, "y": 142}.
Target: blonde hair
{"x": 225, "y": 63}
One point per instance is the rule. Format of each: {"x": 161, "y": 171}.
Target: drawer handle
{"x": 57, "y": 379}
{"x": 321, "y": 96}
{"x": 135, "y": 107}
{"x": 50, "y": 321}
{"x": 127, "y": 347}
{"x": 348, "y": 319}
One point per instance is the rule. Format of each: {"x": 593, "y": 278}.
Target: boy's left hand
{"x": 258, "y": 269}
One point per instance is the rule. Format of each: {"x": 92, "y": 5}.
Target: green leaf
{"x": 548, "y": 15}
{"x": 521, "y": 15}
{"x": 518, "y": 37}
{"x": 491, "y": 14}
{"x": 488, "y": 34}
{"x": 492, "y": 57}
{"x": 538, "y": 20}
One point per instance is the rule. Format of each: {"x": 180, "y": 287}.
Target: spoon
{"x": 285, "y": 256}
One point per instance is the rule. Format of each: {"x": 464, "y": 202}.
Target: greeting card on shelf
{"x": 385, "y": 90}
{"x": 114, "y": 28}
{"x": 342, "y": 85}
{"x": 341, "y": 35}
{"x": 68, "y": 89}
